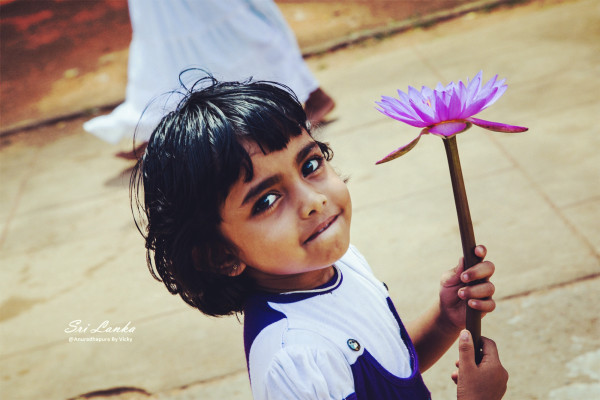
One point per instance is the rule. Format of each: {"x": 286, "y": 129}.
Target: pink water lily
{"x": 445, "y": 111}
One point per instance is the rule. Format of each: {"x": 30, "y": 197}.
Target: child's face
{"x": 292, "y": 220}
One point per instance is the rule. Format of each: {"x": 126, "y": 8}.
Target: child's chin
{"x": 337, "y": 251}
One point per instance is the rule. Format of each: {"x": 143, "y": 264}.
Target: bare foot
{"x": 318, "y": 105}
{"x": 133, "y": 154}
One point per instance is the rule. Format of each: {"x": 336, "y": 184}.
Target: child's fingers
{"x": 460, "y": 267}
{"x": 485, "y": 306}
{"x": 480, "y": 251}
{"x": 452, "y": 277}
{"x": 466, "y": 352}
{"x": 483, "y": 270}
{"x": 490, "y": 350}
{"x": 455, "y": 377}
{"x": 479, "y": 291}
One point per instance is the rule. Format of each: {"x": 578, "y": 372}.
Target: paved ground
{"x": 69, "y": 250}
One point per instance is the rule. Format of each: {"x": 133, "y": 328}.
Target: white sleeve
{"x": 356, "y": 257}
{"x": 303, "y": 373}
{"x": 354, "y": 260}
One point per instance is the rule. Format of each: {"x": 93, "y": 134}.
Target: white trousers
{"x": 231, "y": 39}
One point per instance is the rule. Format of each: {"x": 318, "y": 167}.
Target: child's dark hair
{"x": 194, "y": 156}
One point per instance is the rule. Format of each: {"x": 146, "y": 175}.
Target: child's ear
{"x": 235, "y": 269}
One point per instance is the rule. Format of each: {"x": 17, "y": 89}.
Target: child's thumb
{"x": 466, "y": 351}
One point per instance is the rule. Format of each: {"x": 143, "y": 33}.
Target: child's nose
{"x": 312, "y": 202}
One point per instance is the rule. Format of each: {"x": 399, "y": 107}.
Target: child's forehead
{"x": 264, "y": 161}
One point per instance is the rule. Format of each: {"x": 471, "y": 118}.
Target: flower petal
{"x": 441, "y": 108}
{"x": 427, "y": 118}
{"x": 403, "y": 96}
{"x": 397, "y": 110}
{"x": 426, "y": 92}
{"x": 474, "y": 86}
{"x": 500, "y": 91}
{"x": 489, "y": 84}
{"x": 496, "y": 126}
{"x": 419, "y": 103}
{"x": 402, "y": 104}
{"x": 394, "y": 106}
{"x": 412, "y": 122}
{"x": 454, "y": 109}
{"x": 462, "y": 91}
{"x": 402, "y": 150}
{"x": 473, "y": 108}
{"x": 450, "y": 128}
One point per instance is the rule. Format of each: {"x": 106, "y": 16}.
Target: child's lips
{"x": 322, "y": 227}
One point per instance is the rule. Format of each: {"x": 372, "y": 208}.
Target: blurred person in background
{"x": 232, "y": 40}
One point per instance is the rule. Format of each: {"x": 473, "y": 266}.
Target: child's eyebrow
{"x": 260, "y": 187}
{"x": 305, "y": 151}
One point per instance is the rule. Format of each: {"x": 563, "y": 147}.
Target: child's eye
{"x": 311, "y": 165}
{"x": 264, "y": 203}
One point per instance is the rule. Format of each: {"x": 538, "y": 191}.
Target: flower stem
{"x": 473, "y": 317}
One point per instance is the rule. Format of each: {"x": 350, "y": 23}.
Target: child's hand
{"x": 486, "y": 381}
{"x": 454, "y": 290}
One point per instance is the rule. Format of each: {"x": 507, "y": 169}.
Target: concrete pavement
{"x": 70, "y": 252}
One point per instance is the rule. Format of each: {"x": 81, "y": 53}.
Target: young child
{"x": 245, "y": 215}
